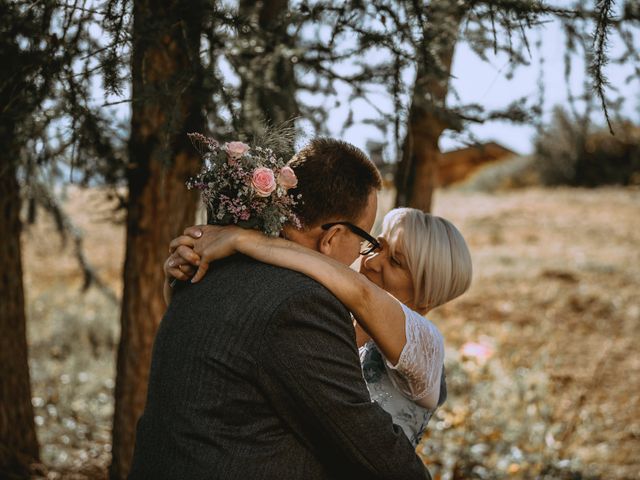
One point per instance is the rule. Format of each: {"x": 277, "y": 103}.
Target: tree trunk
{"x": 418, "y": 167}
{"x": 18, "y": 442}
{"x": 167, "y": 91}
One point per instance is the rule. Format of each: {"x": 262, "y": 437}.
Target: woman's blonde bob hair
{"x": 437, "y": 255}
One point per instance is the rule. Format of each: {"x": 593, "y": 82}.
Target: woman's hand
{"x": 199, "y": 246}
{"x": 177, "y": 267}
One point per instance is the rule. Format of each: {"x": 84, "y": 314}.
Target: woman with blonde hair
{"x": 419, "y": 262}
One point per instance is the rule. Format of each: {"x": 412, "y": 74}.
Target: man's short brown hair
{"x": 335, "y": 180}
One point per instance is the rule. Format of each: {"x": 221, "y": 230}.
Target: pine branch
{"x": 600, "y": 43}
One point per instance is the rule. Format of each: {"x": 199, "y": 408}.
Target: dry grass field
{"x": 542, "y": 365}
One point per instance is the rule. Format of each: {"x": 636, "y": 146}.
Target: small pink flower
{"x": 236, "y": 149}
{"x": 287, "y": 178}
{"x": 263, "y": 181}
{"x": 478, "y": 351}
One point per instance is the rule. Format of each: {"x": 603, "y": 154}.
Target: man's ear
{"x": 328, "y": 241}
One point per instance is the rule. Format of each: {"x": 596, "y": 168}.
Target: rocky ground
{"x": 544, "y": 381}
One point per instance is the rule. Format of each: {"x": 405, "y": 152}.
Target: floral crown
{"x": 245, "y": 185}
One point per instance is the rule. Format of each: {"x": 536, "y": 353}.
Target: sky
{"x": 486, "y": 83}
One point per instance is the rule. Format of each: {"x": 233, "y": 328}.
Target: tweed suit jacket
{"x": 255, "y": 374}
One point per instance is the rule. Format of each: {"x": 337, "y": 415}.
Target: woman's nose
{"x": 373, "y": 261}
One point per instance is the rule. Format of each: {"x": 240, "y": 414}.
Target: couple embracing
{"x": 282, "y": 362}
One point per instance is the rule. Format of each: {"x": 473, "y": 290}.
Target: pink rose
{"x": 287, "y": 178}
{"x": 263, "y": 181}
{"x": 236, "y": 149}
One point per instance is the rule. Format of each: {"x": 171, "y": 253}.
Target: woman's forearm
{"x": 379, "y": 313}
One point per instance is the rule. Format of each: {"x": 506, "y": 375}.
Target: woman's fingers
{"x": 177, "y": 267}
{"x": 176, "y": 260}
{"x": 185, "y": 240}
{"x": 176, "y": 273}
{"x": 202, "y": 244}
{"x": 188, "y": 270}
{"x": 202, "y": 270}
{"x": 195, "y": 231}
{"x": 183, "y": 271}
{"x": 187, "y": 253}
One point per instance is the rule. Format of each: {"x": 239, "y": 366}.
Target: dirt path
{"x": 557, "y": 294}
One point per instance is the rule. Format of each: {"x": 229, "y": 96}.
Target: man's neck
{"x": 306, "y": 238}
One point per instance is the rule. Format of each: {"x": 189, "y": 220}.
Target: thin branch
{"x": 45, "y": 198}
{"x": 600, "y": 38}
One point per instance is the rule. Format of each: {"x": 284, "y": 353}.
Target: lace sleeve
{"x": 419, "y": 368}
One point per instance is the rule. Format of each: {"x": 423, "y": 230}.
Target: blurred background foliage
{"x": 574, "y": 152}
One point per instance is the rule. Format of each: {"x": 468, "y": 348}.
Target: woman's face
{"x": 390, "y": 271}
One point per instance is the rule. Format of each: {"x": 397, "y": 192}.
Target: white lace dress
{"x": 411, "y": 390}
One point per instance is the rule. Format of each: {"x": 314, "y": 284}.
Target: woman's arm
{"x": 379, "y": 314}
{"x": 410, "y": 343}
{"x": 418, "y": 371}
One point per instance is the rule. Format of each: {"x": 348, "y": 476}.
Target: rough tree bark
{"x": 18, "y": 442}
{"x": 167, "y": 103}
{"x": 418, "y": 167}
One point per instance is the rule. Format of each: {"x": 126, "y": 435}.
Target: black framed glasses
{"x": 368, "y": 245}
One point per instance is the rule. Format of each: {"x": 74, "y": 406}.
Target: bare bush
{"x": 571, "y": 152}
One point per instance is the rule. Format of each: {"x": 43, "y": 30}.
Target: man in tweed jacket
{"x": 255, "y": 372}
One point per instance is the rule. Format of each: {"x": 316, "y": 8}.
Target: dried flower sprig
{"x": 243, "y": 185}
